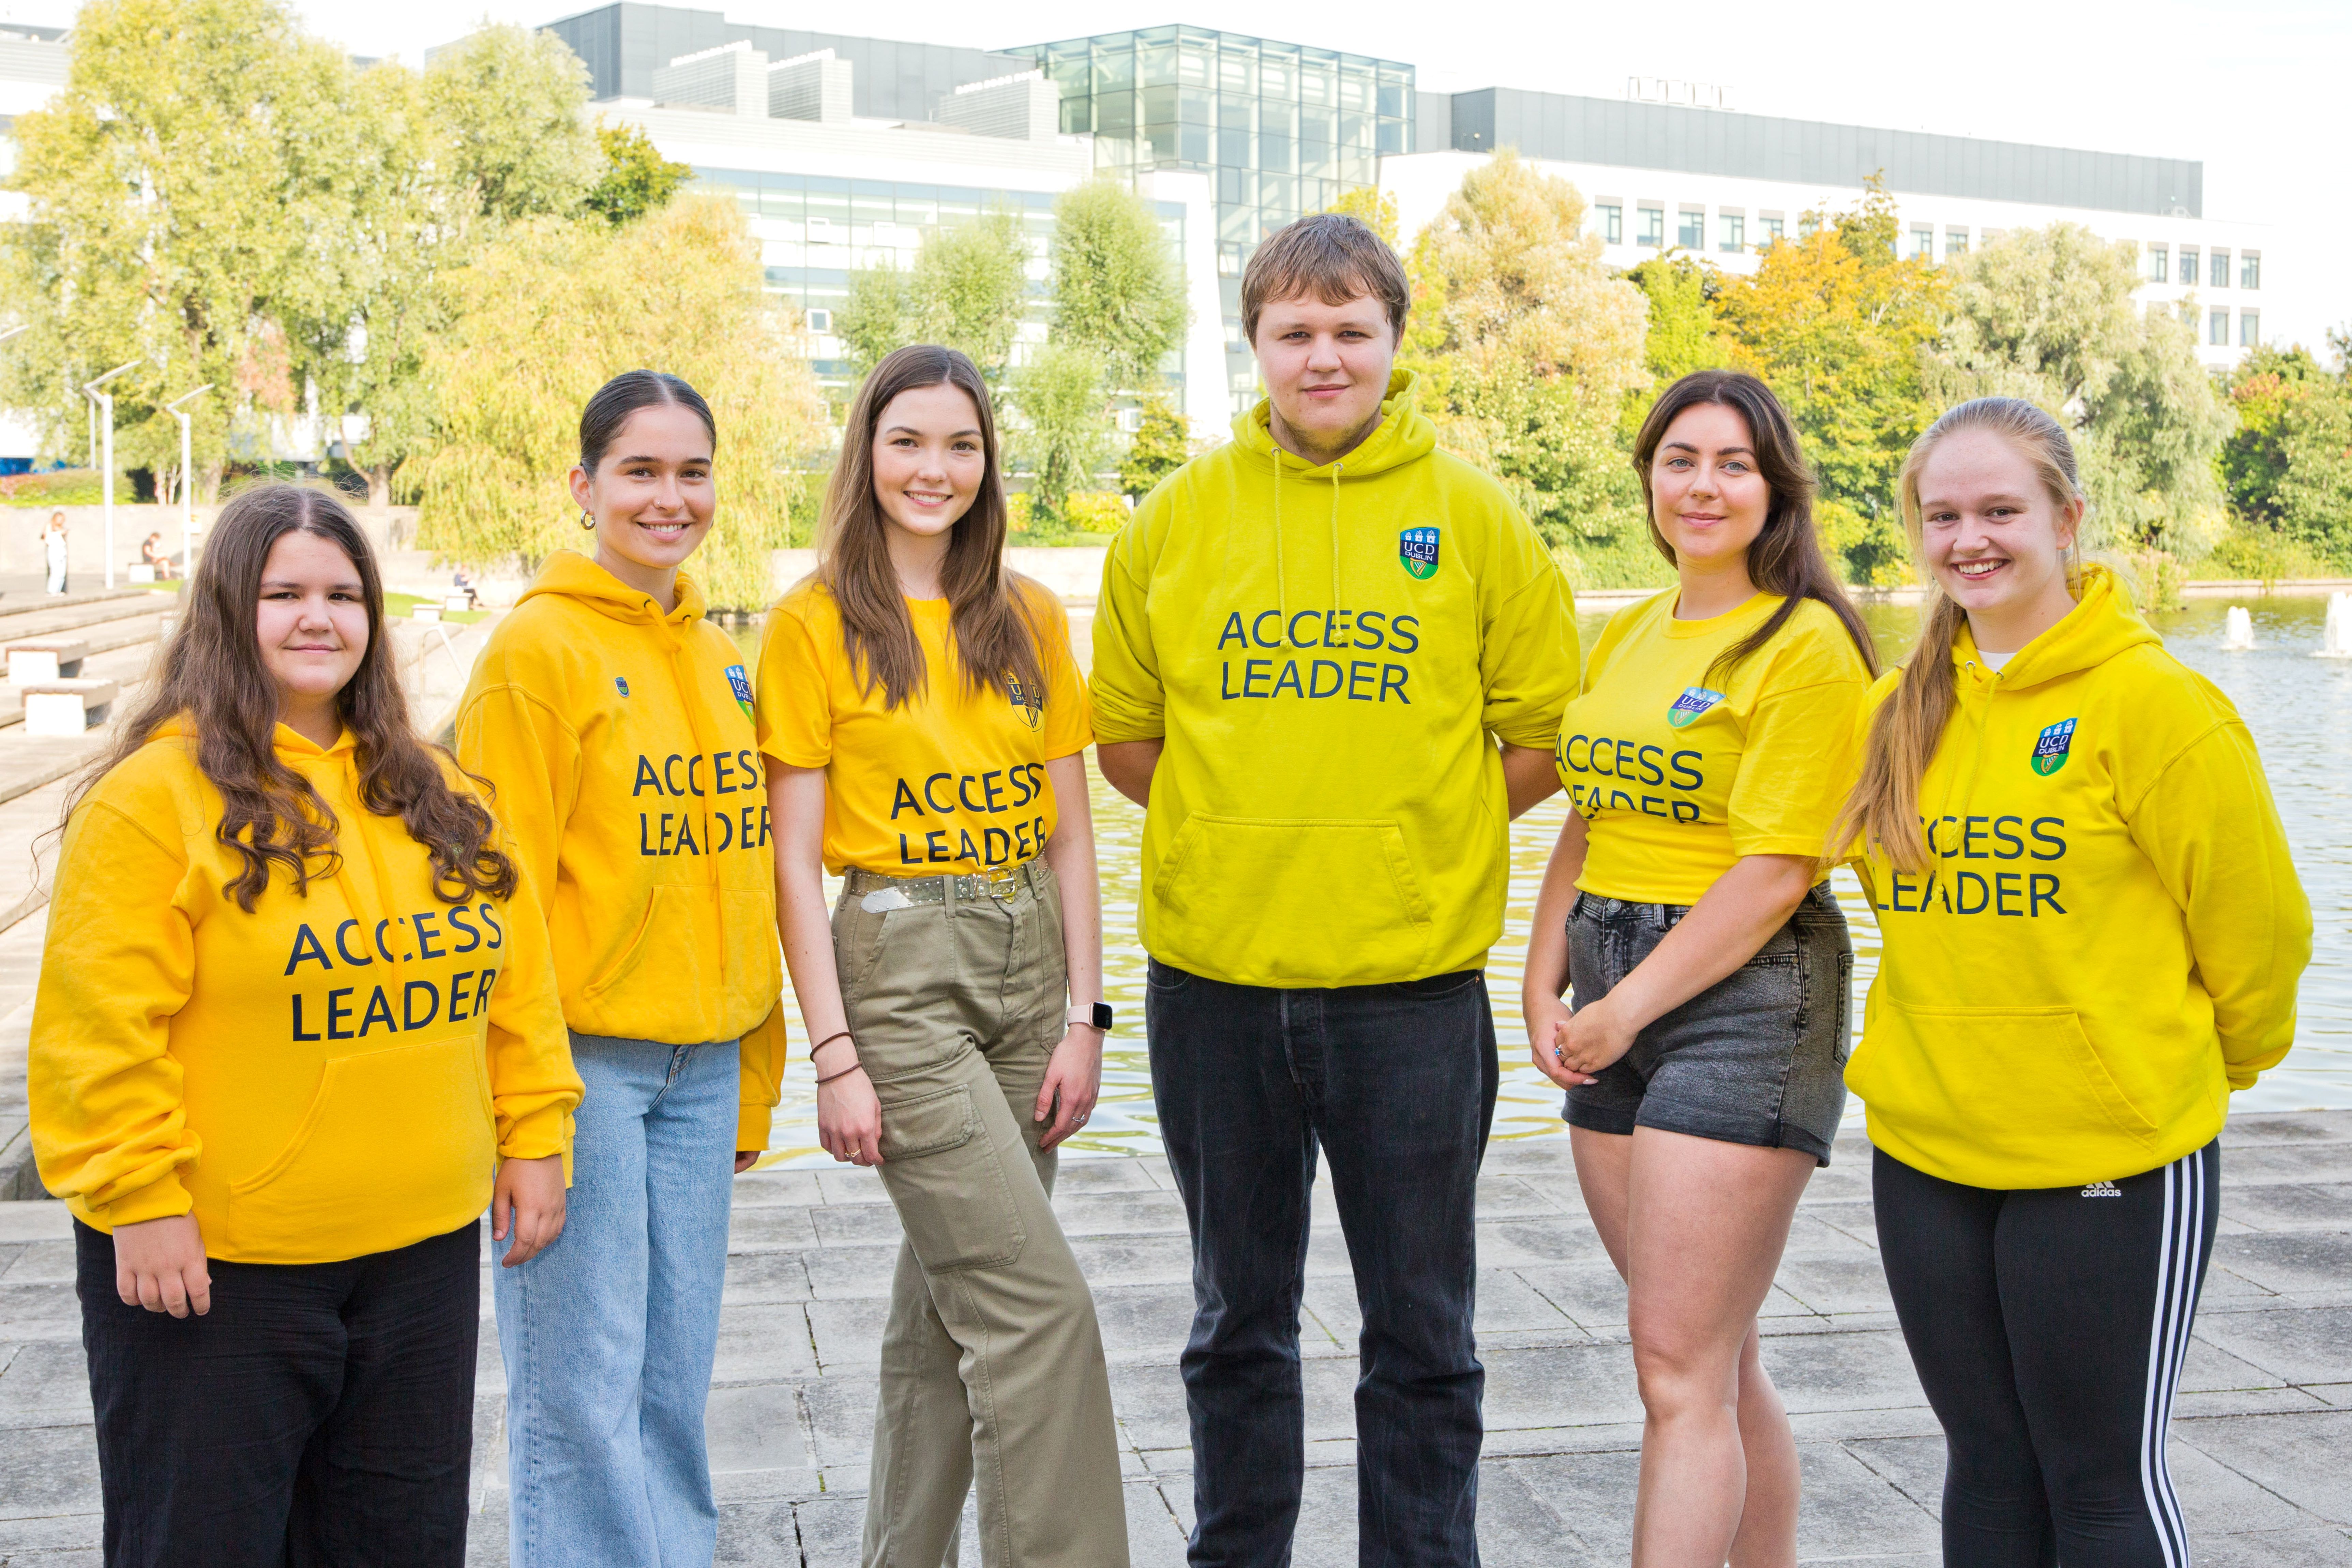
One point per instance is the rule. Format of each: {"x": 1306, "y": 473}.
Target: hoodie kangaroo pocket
{"x": 2011, "y": 1084}
{"x": 1237, "y": 894}
{"x": 397, "y": 1132}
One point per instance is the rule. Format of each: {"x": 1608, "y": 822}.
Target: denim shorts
{"x": 1758, "y": 1057}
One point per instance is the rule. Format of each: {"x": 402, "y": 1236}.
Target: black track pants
{"x": 2048, "y": 1327}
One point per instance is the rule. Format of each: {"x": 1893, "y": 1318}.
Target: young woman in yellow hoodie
{"x": 294, "y": 1029}
{"x": 617, "y": 724}
{"x": 2093, "y": 935}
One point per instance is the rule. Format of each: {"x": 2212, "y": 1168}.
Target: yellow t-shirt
{"x": 1679, "y": 777}
{"x": 952, "y": 783}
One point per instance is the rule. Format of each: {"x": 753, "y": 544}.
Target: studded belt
{"x": 1002, "y": 883}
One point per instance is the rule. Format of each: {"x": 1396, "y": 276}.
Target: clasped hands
{"x": 1571, "y": 1048}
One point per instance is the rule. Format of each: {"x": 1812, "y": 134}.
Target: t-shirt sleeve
{"x": 792, "y": 710}
{"x": 1796, "y": 768}
{"x": 1069, "y": 726}
{"x": 1527, "y": 646}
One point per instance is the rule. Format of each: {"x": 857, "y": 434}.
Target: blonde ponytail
{"x": 1884, "y": 809}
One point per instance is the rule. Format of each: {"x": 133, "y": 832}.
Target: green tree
{"x": 637, "y": 177}
{"x": 1118, "y": 290}
{"x": 1376, "y": 208}
{"x": 2315, "y": 492}
{"x": 1065, "y": 426}
{"x": 187, "y": 194}
{"x": 972, "y": 288}
{"x": 1835, "y": 324}
{"x": 1684, "y": 333}
{"x": 2264, "y": 387}
{"x": 879, "y": 316}
{"x": 555, "y": 309}
{"x": 1527, "y": 347}
{"x": 509, "y": 98}
{"x": 2047, "y": 314}
{"x": 1161, "y": 445}
{"x": 968, "y": 288}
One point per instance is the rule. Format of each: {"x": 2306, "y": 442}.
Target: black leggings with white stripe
{"x": 2048, "y": 1327}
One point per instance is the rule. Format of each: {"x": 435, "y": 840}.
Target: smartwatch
{"x": 1097, "y": 1015}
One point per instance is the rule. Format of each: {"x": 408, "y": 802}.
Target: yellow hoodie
{"x": 335, "y": 1074}
{"x": 620, "y": 740}
{"x": 1330, "y": 654}
{"x": 2109, "y": 940}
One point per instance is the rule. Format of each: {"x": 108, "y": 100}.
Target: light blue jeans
{"x": 610, "y": 1334}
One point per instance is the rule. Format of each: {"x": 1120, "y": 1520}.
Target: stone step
{"x": 35, "y": 618}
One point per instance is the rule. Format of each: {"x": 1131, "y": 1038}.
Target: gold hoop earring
{"x": 587, "y": 522}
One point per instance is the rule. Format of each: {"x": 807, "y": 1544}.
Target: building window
{"x": 1611, "y": 217}
{"x": 1229, "y": 260}
{"x": 2217, "y": 328}
{"x": 1691, "y": 234}
{"x": 2187, "y": 273}
{"x": 2250, "y": 327}
{"x": 1734, "y": 231}
{"x": 1923, "y": 242}
{"x": 2250, "y": 269}
{"x": 1956, "y": 243}
{"x": 1653, "y": 226}
{"x": 1771, "y": 227}
{"x": 2218, "y": 273}
{"x": 2159, "y": 264}
{"x": 820, "y": 320}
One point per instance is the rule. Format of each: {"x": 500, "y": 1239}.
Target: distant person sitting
{"x": 53, "y": 551}
{"x": 462, "y": 581}
{"x": 152, "y": 554}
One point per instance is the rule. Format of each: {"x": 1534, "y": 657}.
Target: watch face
{"x": 1102, "y": 1015}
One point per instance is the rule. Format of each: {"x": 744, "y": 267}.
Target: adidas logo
{"x": 2103, "y": 1190}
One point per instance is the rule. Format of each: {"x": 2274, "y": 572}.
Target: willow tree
{"x": 557, "y": 307}
{"x": 1527, "y": 348}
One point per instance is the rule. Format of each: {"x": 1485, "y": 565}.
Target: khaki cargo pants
{"x": 991, "y": 1360}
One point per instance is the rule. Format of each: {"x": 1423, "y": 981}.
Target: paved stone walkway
{"x": 2262, "y": 1451}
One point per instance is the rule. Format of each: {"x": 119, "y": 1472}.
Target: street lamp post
{"x": 187, "y": 480}
{"x": 105, "y": 402}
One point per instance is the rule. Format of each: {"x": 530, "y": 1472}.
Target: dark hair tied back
{"x": 211, "y": 677}
{"x": 601, "y": 420}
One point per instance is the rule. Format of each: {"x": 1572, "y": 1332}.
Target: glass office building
{"x": 1285, "y": 129}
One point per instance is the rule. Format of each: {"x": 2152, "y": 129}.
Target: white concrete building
{"x": 1721, "y": 185}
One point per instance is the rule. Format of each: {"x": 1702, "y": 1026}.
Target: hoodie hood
{"x": 1404, "y": 434}
{"x": 2102, "y": 625}
{"x": 571, "y": 576}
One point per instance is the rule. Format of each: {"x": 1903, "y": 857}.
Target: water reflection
{"x": 2300, "y": 710}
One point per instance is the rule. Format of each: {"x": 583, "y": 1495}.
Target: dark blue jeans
{"x": 1397, "y": 1084}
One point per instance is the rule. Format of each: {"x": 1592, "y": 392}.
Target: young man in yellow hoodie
{"x": 1329, "y": 660}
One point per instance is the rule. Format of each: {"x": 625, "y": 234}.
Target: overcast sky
{"x": 2255, "y": 89}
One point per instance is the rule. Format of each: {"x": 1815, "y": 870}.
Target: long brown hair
{"x": 1785, "y": 557}
{"x": 1910, "y": 725}
{"x": 990, "y": 615}
{"x": 211, "y": 677}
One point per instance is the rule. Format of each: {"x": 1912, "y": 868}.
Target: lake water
{"x": 2298, "y": 705}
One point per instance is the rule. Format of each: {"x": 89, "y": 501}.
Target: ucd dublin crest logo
{"x": 2049, "y": 751}
{"x": 739, "y": 682}
{"x": 1693, "y": 701}
{"x": 1417, "y": 549}
{"x": 1030, "y": 704}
